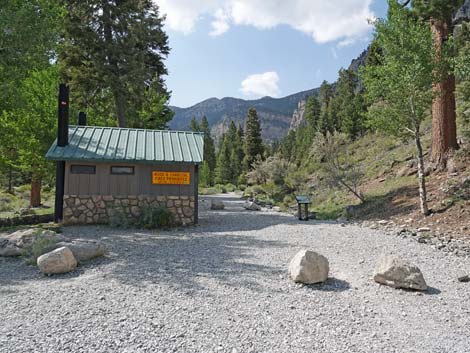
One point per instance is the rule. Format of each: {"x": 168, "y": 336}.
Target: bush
{"x": 39, "y": 246}
{"x": 119, "y": 219}
{"x": 230, "y": 187}
{"x": 208, "y": 191}
{"x": 156, "y": 217}
{"x": 220, "y": 188}
{"x": 288, "y": 200}
{"x": 242, "y": 187}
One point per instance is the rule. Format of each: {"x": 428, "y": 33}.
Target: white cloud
{"x": 221, "y": 23}
{"x": 260, "y": 85}
{"x": 323, "y": 20}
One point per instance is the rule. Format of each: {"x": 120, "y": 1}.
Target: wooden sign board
{"x": 171, "y": 178}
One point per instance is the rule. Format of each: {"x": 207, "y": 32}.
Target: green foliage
{"x": 112, "y": 68}
{"x": 328, "y": 118}
{"x": 438, "y": 9}
{"x": 399, "y": 88}
{"x": 462, "y": 69}
{"x": 350, "y": 106}
{"x": 230, "y": 187}
{"x": 273, "y": 169}
{"x": 39, "y": 245}
{"x": 156, "y": 217}
{"x": 204, "y": 175}
{"x": 223, "y": 172}
{"x": 336, "y": 165}
{"x": 118, "y": 218}
{"x": 253, "y": 144}
{"x": 29, "y": 31}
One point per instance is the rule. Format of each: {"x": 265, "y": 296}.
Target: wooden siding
{"x": 105, "y": 183}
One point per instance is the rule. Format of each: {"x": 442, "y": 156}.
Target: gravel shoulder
{"x": 223, "y": 287}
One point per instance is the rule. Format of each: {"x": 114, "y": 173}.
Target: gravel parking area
{"x": 223, "y": 287}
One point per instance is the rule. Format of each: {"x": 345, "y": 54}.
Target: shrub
{"x": 230, "y": 187}
{"x": 40, "y": 245}
{"x": 118, "y": 218}
{"x": 220, "y": 188}
{"x": 252, "y": 191}
{"x": 242, "y": 187}
{"x": 208, "y": 191}
{"x": 156, "y": 217}
{"x": 288, "y": 200}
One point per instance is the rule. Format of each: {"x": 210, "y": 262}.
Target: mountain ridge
{"x": 274, "y": 113}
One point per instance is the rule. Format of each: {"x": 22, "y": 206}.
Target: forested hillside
{"x": 382, "y": 137}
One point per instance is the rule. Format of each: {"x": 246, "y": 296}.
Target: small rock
{"x": 382, "y": 222}
{"x": 423, "y": 229}
{"x": 399, "y": 273}
{"x": 60, "y": 260}
{"x": 251, "y": 206}
{"x": 217, "y": 205}
{"x": 308, "y": 267}
{"x": 464, "y": 278}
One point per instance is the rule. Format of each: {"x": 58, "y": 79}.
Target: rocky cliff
{"x": 298, "y": 116}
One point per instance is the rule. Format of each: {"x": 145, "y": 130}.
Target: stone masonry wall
{"x": 83, "y": 209}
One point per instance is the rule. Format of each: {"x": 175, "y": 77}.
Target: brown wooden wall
{"x": 104, "y": 183}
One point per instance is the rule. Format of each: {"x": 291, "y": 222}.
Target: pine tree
{"x": 327, "y": 113}
{"x": 223, "y": 172}
{"x": 194, "y": 125}
{"x": 205, "y": 175}
{"x": 312, "y": 111}
{"x": 209, "y": 148}
{"x": 112, "y": 52}
{"x": 350, "y": 109}
{"x": 253, "y": 142}
{"x": 444, "y": 131}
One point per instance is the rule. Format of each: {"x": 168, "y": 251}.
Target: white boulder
{"x": 396, "y": 272}
{"x": 60, "y": 260}
{"x": 308, "y": 267}
{"x": 84, "y": 249}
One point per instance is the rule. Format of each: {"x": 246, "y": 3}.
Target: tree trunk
{"x": 444, "y": 137}
{"x": 120, "y": 109}
{"x": 10, "y": 180}
{"x": 421, "y": 177}
{"x": 35, "y": 199}
{"x": 119, "y": 100}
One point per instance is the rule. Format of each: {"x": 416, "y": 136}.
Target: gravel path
{"x": 223, "y": 287}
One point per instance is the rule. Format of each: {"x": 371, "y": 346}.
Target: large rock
{"x": 15, "y": 243}
{"x": 399, "y": 273}
{"x": 60, "y": 260}
{"x": 217, "y": 205}
{"x": 251, "y": 206}
{"x": 8, "y": 248}
{"x": 84, "y": 249}
{"x": 308, "y": 267}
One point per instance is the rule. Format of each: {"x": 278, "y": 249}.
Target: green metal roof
{"x": 112, "y": 144}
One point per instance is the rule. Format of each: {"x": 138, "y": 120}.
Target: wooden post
{"x": 196, "y": 193}
{"x": 63, "y": 122}
{"x": 62, "y": 141}
{"x": 59, "y": 191}
{"x": 299, "y": 206}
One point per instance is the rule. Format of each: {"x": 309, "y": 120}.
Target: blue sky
{"x": 252, "y": 48}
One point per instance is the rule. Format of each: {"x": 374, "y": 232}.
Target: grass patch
{"x": 11, "y": 204}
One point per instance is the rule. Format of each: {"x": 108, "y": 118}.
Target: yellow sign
{"x": 171, "y": 178}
